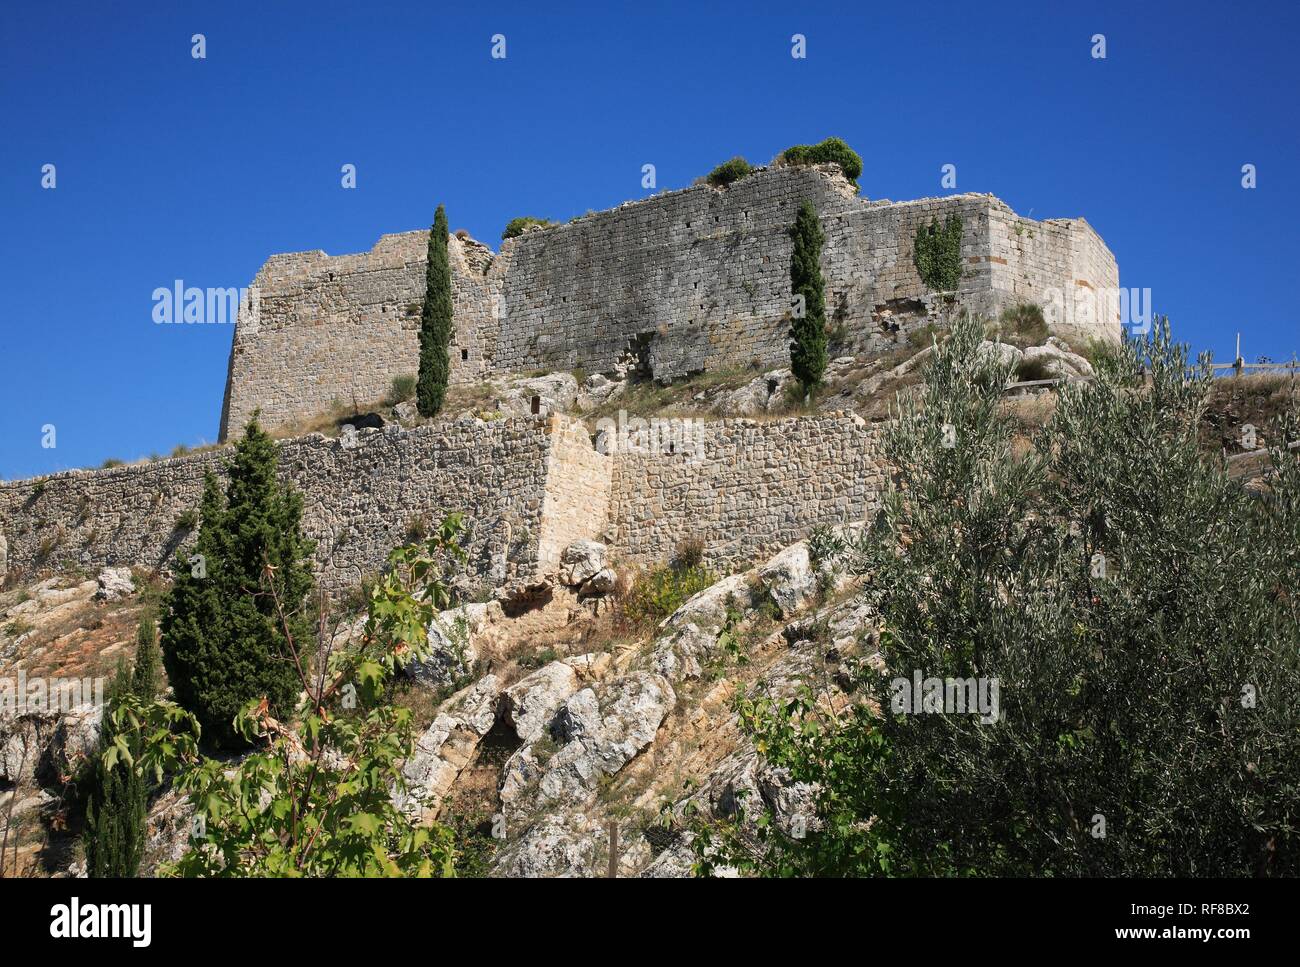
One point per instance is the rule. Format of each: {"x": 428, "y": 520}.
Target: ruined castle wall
{"x": 578, "y": 483}
{"x": 692, "y": 280}
{"x": 1060, "y": 264}
{"x": 751, "y": 488}
{"x": 684, "y": 281}
{"x": 335, "y": 330}
{"x": 361, "y": 499}
{"x": 528, "y": 488}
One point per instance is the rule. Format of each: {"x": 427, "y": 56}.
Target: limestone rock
{"x": 75, "y": 737}
{"x": 1002, "y": 352}
{"x": 602, "y": 582}
{"x": 597, "y": 389}
{"x": 452, "y": 648}
{"x": 1058, "y": 363}
{"x": 530, "y": 704}
{"x": 707, "y": 609}
{"x": 580, "y": 561}
{"x": 789, "y": 578}
{"x": 762, "y": 394}
{"x": 554, "y": 393}
{"x": 600, "y": 729}
{"x": 114, "y": 583}
{"x": 447, "y": 746}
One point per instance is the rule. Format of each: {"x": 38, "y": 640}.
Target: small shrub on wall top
{"x": 515, "y": 227}
{"x": 728, "y": 172}
{"x": 832, "y": 149}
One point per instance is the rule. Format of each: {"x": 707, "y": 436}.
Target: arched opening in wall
{"x": 464, "y": 355}
{"x": 537, "y": 405}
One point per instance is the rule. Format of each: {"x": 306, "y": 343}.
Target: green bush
{"x": 401, "y": 389}
{"x": 1144, "y": 638}
{"x": 325, "y": 793}
{"x": 729, "y": 172}
{"x": 661, "y": 592}
{"x": 830, "y": 150}
{"x": 222, "y": 638}
{"x": 515, "y": 227}
{"x": 1024, "y": 323}
{"x": 117, "y": 796}
{"x": 936, "y": 253}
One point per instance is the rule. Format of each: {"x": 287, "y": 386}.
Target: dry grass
{"x": 1259, "y": 399}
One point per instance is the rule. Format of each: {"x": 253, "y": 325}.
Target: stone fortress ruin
{"x": 675, "y": 284}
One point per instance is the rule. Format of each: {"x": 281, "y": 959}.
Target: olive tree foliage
{"x": 1136, "y": 607}
{"x": 322, "y": 794}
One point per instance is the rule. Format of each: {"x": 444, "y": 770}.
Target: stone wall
{"x": 527, "y": 487}
{"x": 577, "y": 492}
{"x": 361, "y": 498}
{"x": 334, "y": 330}
{"x": 682, "y": 281}
{"x": 749, "y": 489}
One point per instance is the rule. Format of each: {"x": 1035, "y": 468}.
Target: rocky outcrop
{"x": 448, "y": 745}
{"x": 114, "y": 583}
{"x": 1057, "y": 360}
{"x": 453, "y": 648}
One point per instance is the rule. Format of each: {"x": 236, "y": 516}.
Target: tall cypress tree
{"x": 148, "y": 660}
{"x": 222, "y": 641}
{"x": 117, "y": 797}
{"x": 435, "y": 322}
{"x": 808, "y": 330}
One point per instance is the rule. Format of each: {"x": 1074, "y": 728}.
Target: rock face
{"x": 598, "y": 730}
{"x": 47, "y": 744}
{"x": 114, "y": 583}
{"x": 449, "y": 744}
{"x": 452, "y": 644}
{"x": 1056, "y": 359}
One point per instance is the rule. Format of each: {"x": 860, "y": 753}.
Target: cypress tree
{"x": 222, "y": 641}
{"x": 148, "y": 660}
{"x": 808, "y": 329}
{"x": 435, "y": 322}
{"x": 116, "y": 802}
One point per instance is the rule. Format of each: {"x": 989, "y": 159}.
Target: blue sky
{"x": 174, "y": 168}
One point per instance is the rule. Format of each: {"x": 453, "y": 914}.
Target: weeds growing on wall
{"x": 936, "y": 253}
